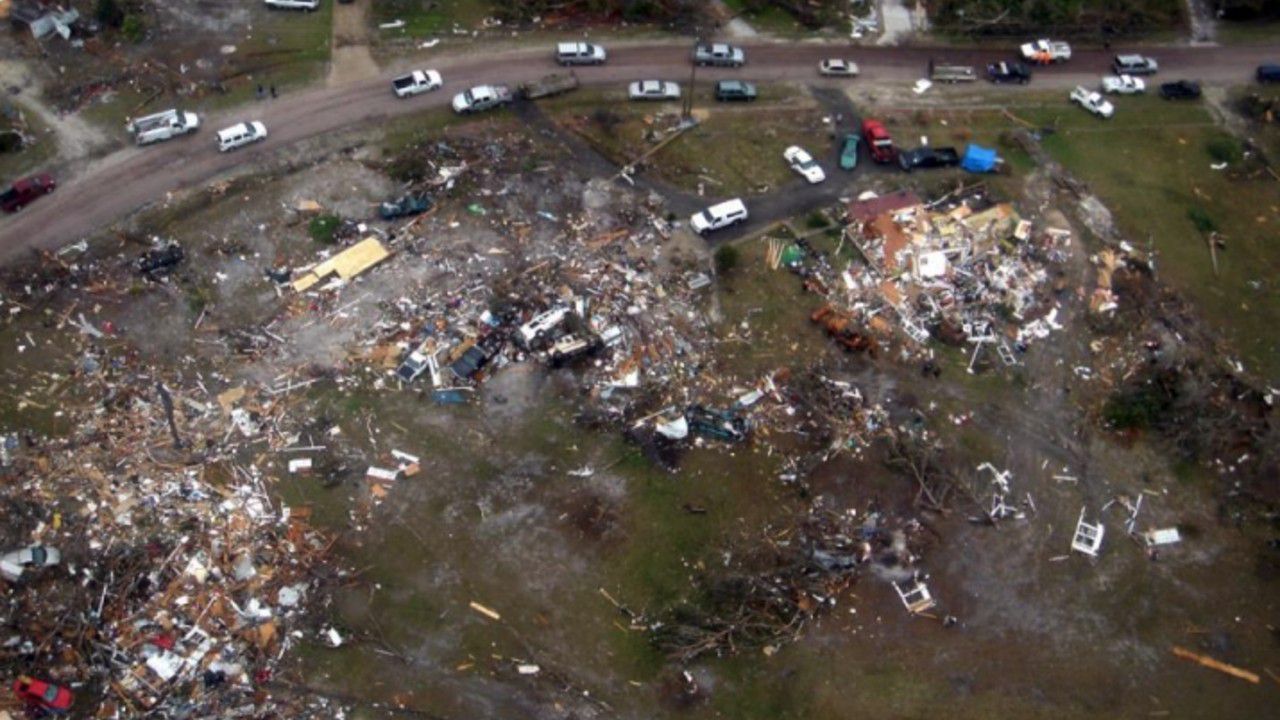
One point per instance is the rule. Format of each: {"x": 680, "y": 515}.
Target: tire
{"x": 17, "y": 208}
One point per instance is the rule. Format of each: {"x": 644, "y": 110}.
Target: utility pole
{"x": 687, "y": 105}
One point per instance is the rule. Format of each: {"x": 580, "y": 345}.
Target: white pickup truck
{"x": 1092, "y": 101}
{"x": 1045, "y": 52}
{"x": 162, "y": 126}
{"x": 416, "y": 83}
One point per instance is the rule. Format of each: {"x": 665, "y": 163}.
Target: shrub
{"x": 727, "y": 257}
{"x": 817, "y": 220}
{"x": 1201, "y": 220}
{"x": 108, "y": 13}
{"x": 133, "y": 29}
{"x": 323, "y": 228}
{"x": 1224, "y": 149}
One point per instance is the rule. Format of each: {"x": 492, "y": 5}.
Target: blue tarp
{"x": 978, "y": 159}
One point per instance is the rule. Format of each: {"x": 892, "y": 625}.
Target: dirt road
{"x": 126, "y": 181}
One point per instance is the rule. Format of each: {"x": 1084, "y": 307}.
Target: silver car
{"x": 653, "y": 90}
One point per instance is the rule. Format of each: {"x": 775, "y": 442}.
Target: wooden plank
{"x": 1218, "y": 665}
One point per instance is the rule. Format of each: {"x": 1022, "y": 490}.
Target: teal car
{"x": 849, "y": 153}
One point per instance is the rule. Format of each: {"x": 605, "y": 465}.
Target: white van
{"x": 729, "y": 212}
{"x": 578, "y": 53}
{"x": 241, "y": 134}
{"x": 307, "y": 5}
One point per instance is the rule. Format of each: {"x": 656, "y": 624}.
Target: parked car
{"x": 1009, "y": 72}
{"x": 1134, "y": 65}
{"x": 580, "y": 53}
{"x": 928, "y": 157}
{"x": 1180, "y": 90}
{"x": 43, "y": 695}
{"x": 849, "y": 151}
{"x": 1123, "y": 85}
{"x": 879, "y": 142}
{"x": 1092, "y": 101}
{"x": 1045, "y": 52}
{"x": 404, "y": 206}
{"x": 1268, "y": 73}
{"x": 653, "y": 90}
{"x": 719, "y": 216}
{"x": 162, "y": 126}
{"x": 719, "y": 54}
{"x": 735, "y": 90}
{"x": 307, "y": 5}
{"x": 416, "y": 83}
{"x": 838, "y": 67}
{"x": 241, "y": 134}
{"x": 25, "y": 191}
{"x": 804, "y": 164}
{"x": 15, "y": 562}
{"x": 481, "y": 97}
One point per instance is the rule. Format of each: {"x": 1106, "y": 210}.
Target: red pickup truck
{"x": 879, "y": 143}
{"x": 25, "y": 191}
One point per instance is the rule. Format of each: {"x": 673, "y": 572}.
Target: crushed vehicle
{"x": 160, "y": 261}
{"x": 719, "y": 216}
{"x": 43, "y": 697}
{"x": 1045, "y": 52}
{"x": 416, "y": 83}
{"x": 548, "y": 85}
{"x": 1180, "y": 90}
{"x": 879, "y": 142}
{"x": 928, "y": 157}
{"x": 162, "y": 126}
{"x": 415, "y": 363}
{"x": 468, "y": 359}
{"x": 1009, "y": 72}
{"x": 849, "y": 151}
{"x": 572, "y": 347}
{"x": 950, "y": 73}
{"x": 480, "y": 98}
{"x": 718, "y": 54}
{"x": 404, "y": 206}
{"x": 803, "y": 164}
{"x": 653, "y": 90}
{"x": 580, "y": 53}
{"x": 716, "y": 424}
{"x": 837, "y": 67}
{"x": 535, "y": 333}
{"x": 1134, "y": 65}
{"x": 25, "y": 191}
{"x": 16, "y": 562}
{"x": 1123, "y": 85}
{"x": 1092, "y": 101}
{"x": 735, "y": 90}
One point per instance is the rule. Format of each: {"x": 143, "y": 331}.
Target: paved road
{"x": 127, "y": 180}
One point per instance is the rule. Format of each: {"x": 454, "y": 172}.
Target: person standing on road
{"x": 273, "y": 91}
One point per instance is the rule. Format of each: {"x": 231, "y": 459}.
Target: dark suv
{"x": 1180, "y": 90}
{"x": 730, "y": 90}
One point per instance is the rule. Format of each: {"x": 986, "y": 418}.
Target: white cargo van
{"x": 716, "y": 217}
{"x": 240, "y": 135}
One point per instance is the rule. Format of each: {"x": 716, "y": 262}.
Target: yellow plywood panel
{"x": 346, "y": 264}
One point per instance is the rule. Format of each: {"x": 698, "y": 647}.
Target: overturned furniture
{"x": 1087, "y": 538}
{"x": 914, "y": 595}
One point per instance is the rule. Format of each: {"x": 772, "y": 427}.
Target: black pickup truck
{"x": 928, "y": 157}
{"x": 1009, "y": 72}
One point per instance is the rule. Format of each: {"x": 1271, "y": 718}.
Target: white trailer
{"x": 162, "y": 126}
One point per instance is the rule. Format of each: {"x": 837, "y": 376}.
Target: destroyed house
{"x": 41, "y": 19}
